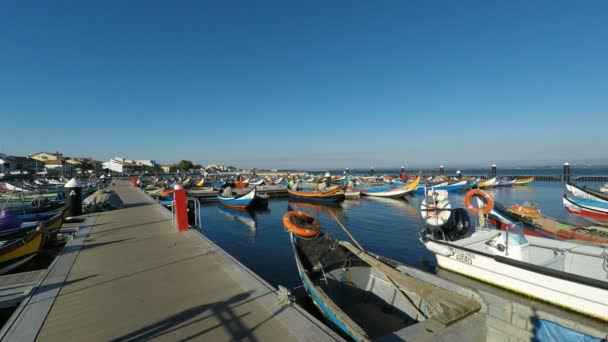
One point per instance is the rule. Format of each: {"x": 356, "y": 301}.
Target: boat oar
{"x": 407, "y": 298}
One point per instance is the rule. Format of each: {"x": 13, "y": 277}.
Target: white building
{"x": 115, "y": 164}
{"x": 150, "y": 163}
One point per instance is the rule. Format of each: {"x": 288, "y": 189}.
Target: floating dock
{"x": 128, "y": 275}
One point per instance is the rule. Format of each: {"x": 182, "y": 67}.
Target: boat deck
{"x": 129, "y": 275}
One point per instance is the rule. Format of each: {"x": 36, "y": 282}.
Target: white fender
{"x": 438, "y": 248}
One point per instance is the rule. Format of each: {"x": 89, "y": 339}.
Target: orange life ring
{"x": 478, "y": 193}
{"x": 308, "y": 226}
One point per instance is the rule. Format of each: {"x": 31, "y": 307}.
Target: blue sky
{"x": 308, "y": 84}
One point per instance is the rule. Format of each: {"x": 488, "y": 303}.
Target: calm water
{"x": 387, "y": 227}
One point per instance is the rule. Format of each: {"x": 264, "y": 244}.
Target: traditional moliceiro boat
{"x": 524, "y": 181}
{"x": 334, "y": 194}
{"x": 586, "y": 193}
{"x": 397, "y": 192}
{"x": 230, "y": 199}
{"x": 569, "y": 275}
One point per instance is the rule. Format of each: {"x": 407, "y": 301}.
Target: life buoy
{"x": 437, "y": 212}
{"x": 489, "y": 202}
{"x": 301, "y": 224}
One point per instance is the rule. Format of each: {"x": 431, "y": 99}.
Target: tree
{"x": 185, "y": 165}
{"x": 85, "y": 165}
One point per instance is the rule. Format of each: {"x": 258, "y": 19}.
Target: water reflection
{"x": 242, "y": 216}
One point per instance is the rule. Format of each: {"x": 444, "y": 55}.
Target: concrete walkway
{"x": 135, "y": 278}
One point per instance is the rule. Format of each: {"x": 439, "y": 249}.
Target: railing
{"x": 196, "y": 205}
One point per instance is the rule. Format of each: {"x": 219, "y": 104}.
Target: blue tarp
{"x": 550, "y": 331}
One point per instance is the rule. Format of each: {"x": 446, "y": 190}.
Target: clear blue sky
{"x": 307, "y": 84}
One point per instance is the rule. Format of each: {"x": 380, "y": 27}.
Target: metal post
{"x": 493, "y": 173}
{"x": 441, "y": 170}
{"x": 566, "y": 174}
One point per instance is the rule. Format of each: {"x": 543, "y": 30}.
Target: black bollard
{"x": 441, "y": 171}
{"x": 493, "y": 174}
{"x": 566, "y": 175}
{"x": 73, "y": 197}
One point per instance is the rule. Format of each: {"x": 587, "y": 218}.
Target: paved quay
{"x": 130, "y": 276}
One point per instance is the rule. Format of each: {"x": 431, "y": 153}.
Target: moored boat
{"x": 334, "y": 194}
{"x": 543, "y": 226}
{"x": 367, "y": 299}
{"x": 524, "y": 181}
{"x": 17, "y": 252}
{"x": 456, "y": 186}
{"x": 586, "y": 193}
{"x": 598, "y": 215}
{"x": 397, "y": 192}
{"x": 566, "y": 274}
{"x": 230, "y": 199}
{"x": 488, "y": 183}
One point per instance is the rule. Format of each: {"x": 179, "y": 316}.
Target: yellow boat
{"x": 523, "y": 181}
{"x": 15, "y": 253}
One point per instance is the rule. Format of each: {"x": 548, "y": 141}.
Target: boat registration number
{"x": 463, "y": 256}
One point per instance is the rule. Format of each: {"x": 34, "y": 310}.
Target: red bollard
{"x": 181, "y": 207}
{"x": 135, "y": 179}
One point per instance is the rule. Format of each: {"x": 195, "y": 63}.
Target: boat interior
{"x": 361, "y": 292}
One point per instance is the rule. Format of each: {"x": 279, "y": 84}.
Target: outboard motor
{"x": 457, "y": 225}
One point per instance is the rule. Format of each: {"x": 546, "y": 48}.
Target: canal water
{"x": 388, "y": 227}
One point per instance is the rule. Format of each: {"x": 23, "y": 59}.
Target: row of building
{"x": 46, "y": 162}
{"x": 42, "y": 162}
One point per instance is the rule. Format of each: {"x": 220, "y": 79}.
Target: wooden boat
{"x": 17, "y": 252}
{"x": 256, "y": 182}
{"x": 366, "y": 299}
{"x": 539, "y": 225}
{"x": 505, "y": 183}
{"x": 10, "y": 187}
{"x": 595, "y": 214}
{"x": 334, "y": 194}
{"x": 395, "y": 192}
{"x": 585, "y": 202}
{"x": 566, "y": 274}
{"x": 457, "y": 186}
{"x": 488, "y": 183}
{"x": 586, "y": 193}
{"x": 523, "y": 181}
{"x": 241, "y": 184}
{"x": 230, "y": 199}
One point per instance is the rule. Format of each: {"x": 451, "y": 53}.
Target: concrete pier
{"x": 129, "y": 275}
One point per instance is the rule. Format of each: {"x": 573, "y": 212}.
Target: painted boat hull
{"x": 586, "y": 193}
{"x": 561, "y": 231}
{"x": 451, "y": 187}
{"x": 243, "y": 201}
{"x": 577, "y": 209}
{"x": 524, "y": 181}
{"x": 330, "y": 196}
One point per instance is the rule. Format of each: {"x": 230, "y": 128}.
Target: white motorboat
{"x": 566, "y": 274}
